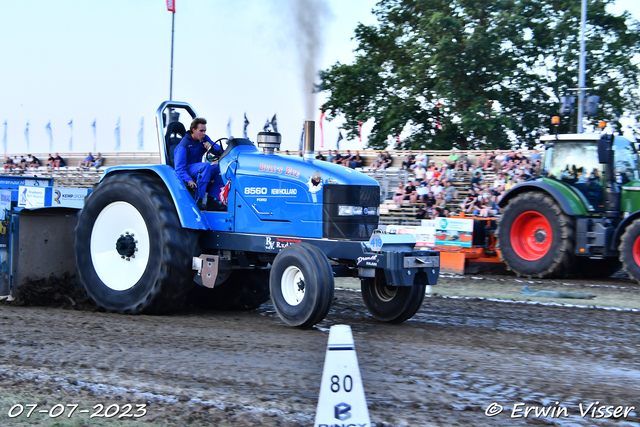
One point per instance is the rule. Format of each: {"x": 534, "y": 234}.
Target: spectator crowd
{"x": 433, "y": 191}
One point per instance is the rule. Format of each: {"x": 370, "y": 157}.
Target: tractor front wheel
{"x": 301, "y": 285}
{"x": 393, "y": 304}
{"x": 535, "y": 237}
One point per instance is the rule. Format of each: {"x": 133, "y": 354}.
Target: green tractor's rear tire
{"x": 243, "y": 290}
{"x": 132, "y": 254}
{"x": 630, "y": 250}
{"x": 535, "y": 238}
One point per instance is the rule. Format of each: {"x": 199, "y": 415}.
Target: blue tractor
{"x": 290, "y": 226}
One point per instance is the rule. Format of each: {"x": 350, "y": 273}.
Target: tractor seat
{"x": 175, "y": 133}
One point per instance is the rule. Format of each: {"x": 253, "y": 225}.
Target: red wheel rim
{"x": 636, "y": 250}
{"x": 531, "y": 236}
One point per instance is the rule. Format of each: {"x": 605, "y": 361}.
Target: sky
{"x": 82, "y": 61}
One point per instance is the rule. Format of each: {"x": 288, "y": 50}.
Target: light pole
{"x": 582, "y": 65}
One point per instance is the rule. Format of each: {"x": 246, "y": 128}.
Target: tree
{"x": 480, "y": 73}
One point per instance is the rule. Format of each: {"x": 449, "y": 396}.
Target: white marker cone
{"x": 341, "y": 402}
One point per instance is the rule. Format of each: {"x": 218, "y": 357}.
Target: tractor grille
{"x": 356, "y": 227}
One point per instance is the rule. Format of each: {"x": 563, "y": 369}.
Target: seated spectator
{"x": 58, "y": 161}
{"x": 476, "y": 180}
{"x": 439, "y": 206}
{"x": 450, "y": 192}
{"x": 356, "y": 161}
{"x": 319, "y": 156}
{"x": 469, "y": 201}
{"x": 498, "y": 159}
{"x": 483, "y": 207}
{"x": 419, "y": 172}
{"x": 436, "y": 188}
{"x": 411, "y": 192}
{"x": 483, "y": 160}
{"x": 50, "y": 161}
{"x": 421, "y": 159}
{"x": 9, "y": 165}
{"x": 453, "y": 159}
{"x": 490, "y": 160}
{"x": 386, "y": 160}
{"x": 463, "y": 162}
{"x": 22, "y": 163}
{"x": 97, "y": 162}
{"x": 346, "y": 159}
{"x": 474, "y": 206}
{"x": 87, "y": 163}
{"x": 337, "y": 157}
{"x": 498, "y": 183}
{"x": 34, "y": 163}
{"x": 409, "y": 161}
{"x": 446, "y": 174}
{"x": 429, "y": 200}
{"x": 377, "y": 164}
{"x": 398, "y": 196}
{"x": 423, "y": 191}
{"x": 429, "y": 173}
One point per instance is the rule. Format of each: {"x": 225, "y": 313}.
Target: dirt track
{"x": 443, "y": 367}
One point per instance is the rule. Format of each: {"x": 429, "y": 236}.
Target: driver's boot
{"x": 202, "y": 203}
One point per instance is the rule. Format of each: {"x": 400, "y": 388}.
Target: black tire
{"x": 244, "y": 290}
{"x": 393, "y": 304}
{"x": 631, "y": 240}
{"x": 558, "y": 259}
{"x": 139, "y": 204}
{"x": 311, "y": 268}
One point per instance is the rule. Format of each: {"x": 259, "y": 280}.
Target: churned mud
{"x": 455, "y": 362}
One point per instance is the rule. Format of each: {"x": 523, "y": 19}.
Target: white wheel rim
{"x": 115, "y": 220}
{"x": 292, "y": 285}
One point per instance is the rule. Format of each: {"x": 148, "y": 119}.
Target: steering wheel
{"x": 209, "y": 156}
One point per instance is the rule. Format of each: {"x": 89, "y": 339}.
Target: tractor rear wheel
{"x": 535, "y": 237}
{"x": 630, "y": 250}
{"x": 393, "y": 304}
{"x": 132, "y": 254}
{"x": 301, "y": 285}
{"x": 243, "y": 290}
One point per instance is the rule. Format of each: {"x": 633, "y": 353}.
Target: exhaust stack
{"x": 309, "y": 139}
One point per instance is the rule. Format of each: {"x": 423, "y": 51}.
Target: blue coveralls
{"x": 189, "y": 166}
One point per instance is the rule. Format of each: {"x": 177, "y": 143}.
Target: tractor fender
{"x": 186, "y": 207}
{"x": 568, "y": 201}
{"x": 615, "y": 242}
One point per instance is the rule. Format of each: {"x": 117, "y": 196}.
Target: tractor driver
{"x": 190, "y": 168}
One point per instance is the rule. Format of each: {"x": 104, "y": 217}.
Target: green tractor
{"x": 581, "y": 217}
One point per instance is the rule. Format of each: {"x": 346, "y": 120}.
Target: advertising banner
{"x": 453, "y": 231}
{"x": 425, "y": 234}
{"x": 31, "y": 197}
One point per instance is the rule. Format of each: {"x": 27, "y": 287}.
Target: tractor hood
{"x": 246, "y": 159}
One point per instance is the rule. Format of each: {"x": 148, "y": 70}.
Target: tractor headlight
{"x": 357, "y": 210}
{"x": 349, "y": 210}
